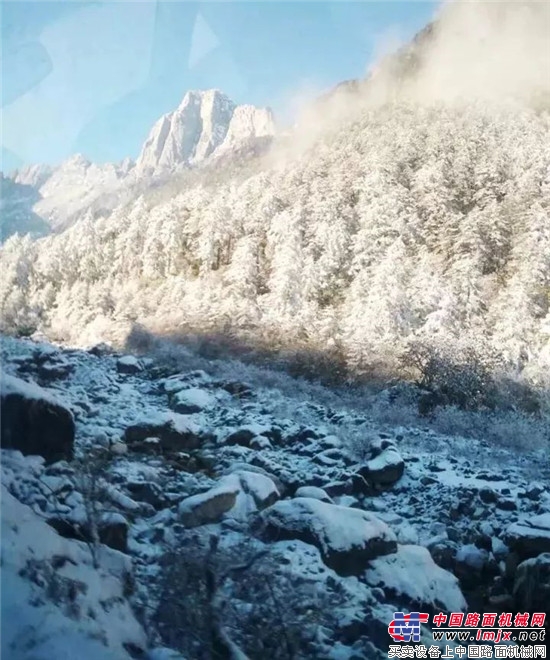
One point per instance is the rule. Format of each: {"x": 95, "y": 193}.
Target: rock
{"x": 260, "y": 442}
{"x": 57, "y": 370}
{"x": 241, "y": 437}
{"x": 302, "y": 436}
{"x": 472, "y": 558}
{"x": 262, "y": 489}
{"x": 443, "y": 553}
{"x": 34, "y": 421}
{"x": 113, "y": 531}
{"x": 146, "y": 491}
{"x": 331, "y": 442}
{"x": 358, "y": 485}
{"x": 347, "y": 538}
{"x": 533, "y": 493}
{"x": 208, "y": 507}
{"x": 192, "y": 400}
{"x": 67, "y": 529}
{"x": 506, "y": 504}
{"x": 118, "y": 448}
{"x": 498, "y": 548}
{"x": 338, "y": 488}
{"x": 239, "y": 390}
{"x": 313, "y": 492}
{"x": 57, "y": 600}
{"x": 385, "y": 469}
{"x": 128, "y": 364}
{"x": 174, "y": 433}
{"x": 530, "y": 537}
{"x": 488, "y": 495}
{"x": 328, "y": 458}
{"x": 485, "y": 476}
{"x": 532, "y": 585}
{"x": 100, "y": 350}
{"x": 247, "y": 467}
{"x": 407, "y": 534}
{"x": 411, "y": 573}
{"x": 164, "y": 653}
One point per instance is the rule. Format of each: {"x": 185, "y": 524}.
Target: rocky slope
{"x": 215, "y": 488}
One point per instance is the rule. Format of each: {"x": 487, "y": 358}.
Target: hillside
{"x": 204, "y": 505}
{"x": 408, "y": 223}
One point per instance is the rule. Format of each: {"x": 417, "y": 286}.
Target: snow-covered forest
{"x": 406, "y": 224}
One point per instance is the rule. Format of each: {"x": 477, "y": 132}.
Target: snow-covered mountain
{"x": 205, "y": 126}
{"x": 76, "y": 185}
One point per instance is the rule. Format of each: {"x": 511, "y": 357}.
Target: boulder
{"x": 530, "y": 537}
{"x": 34, "y": 421}
{"x": 208, "y": 507}
{"x": 236, "y": 389}
{"x": 128, "y": 364}
{"x": 348, "y": 539}
{"x": 113, "y": 531}
{"x": 240, "y": 466}
{"x": 57, "y": 602}
{"x": 192, "y": 400}
{"x": 146, "y": 491}
{"x": 55, "y": 370}
{"x": 174, "y": 433}
{"x": 385, "y": 469}
{"x": 313, "y": 492}
{"x": 532, "y": 585}
{"x": 411, "y": 575}
{"x": 260, "y": 442}
{"x": 241, "y": 437}
{"x": 260, "y": 487}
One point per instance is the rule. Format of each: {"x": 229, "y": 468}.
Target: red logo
{"x": 406, "y": 627}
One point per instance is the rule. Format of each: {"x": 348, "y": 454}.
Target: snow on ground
{"x": 54, "y": 600}
{"x": 266, "y": 454}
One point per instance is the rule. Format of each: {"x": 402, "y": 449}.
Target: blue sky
{"x": 92, "y": 77}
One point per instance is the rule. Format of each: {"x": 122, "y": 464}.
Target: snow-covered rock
{"x": 129, "y": 364}
{"x": 347, "y": 538}
{"x": 34, "y": 421}
{"x": 472, "y": 557}
{"x": 260, "y": 487}
{"x": 532, "y": 585}
{"x": 530, "y": 537}
{"x": 55, "y": 603}
{"x": 384, "y": 469}
{"x": 192, "y": 400}
{"x": 313, "y": 492}
{"x": 411, "y": 573}
{"x": 247, "y": 122}
{"x": 173, "y": 431}
{"x": 209, "y": 507}
{"x": 113, "y": 531}
{"x": 237, "y": 494}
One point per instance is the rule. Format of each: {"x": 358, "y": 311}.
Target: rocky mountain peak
{"x": 203, "y": 123}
